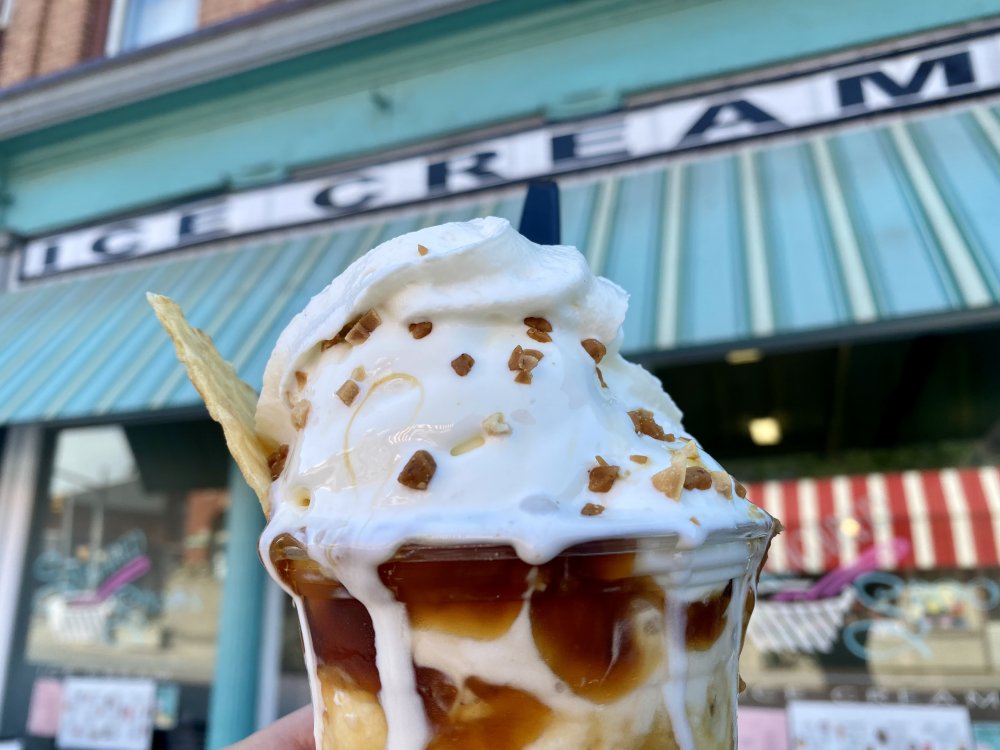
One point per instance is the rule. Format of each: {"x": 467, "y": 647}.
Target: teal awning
{"x": 869, "y": 225}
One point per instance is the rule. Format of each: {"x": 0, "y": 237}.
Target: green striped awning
{"x": 867, "y": 225}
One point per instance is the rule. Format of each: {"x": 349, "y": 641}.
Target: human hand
{"x": 293, "y": 732}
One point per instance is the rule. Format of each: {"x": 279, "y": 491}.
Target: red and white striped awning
{"x": 947, "y": 518}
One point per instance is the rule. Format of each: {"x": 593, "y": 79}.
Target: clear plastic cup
{"x": 616, "y": 644}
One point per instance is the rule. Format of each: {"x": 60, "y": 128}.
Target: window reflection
{"x": 128, "y": 576}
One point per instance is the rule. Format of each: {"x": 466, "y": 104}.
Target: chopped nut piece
{"x": 540, "y": 323}
{"x": 697, "y": 478}
{"x": 741, "y": 491}
{"x": 695, "y": 521}
{"x": 348, "y": 392}
{"x": 592, "y": 509}
{"x": 341, "y": 335}
{"x": 600, "y": 461}
{"x": 300, "y": 378}
{"x": 494, "y": 424}
{"x": 638, "y": 458}
{"x": 523, "y": 377}
{"x": 645, "y": 424}
{"x": 670, "y": 481}
{"x": 462, "y": 364}
{"x": 300, "y": 414}
{"x": 540, "y": 336}
{"x": 276, "y": 461}
{"x": 514, "y": 362}
{"x": 690, "y": 450}
{"x": 527, "y": 362}
{"x": 754, "y": 512}
{"x": 358, "y": 373}
{"x": 723, "y": 484}
{"x": 361, "y": 330}
{"x": 418, "y": 471}
{"x": 595, "y": 349}
{"x": 421, "y": 249}
{"x": 600, "y": 377}
{"x": 477, "y": 441}
{"x": 602, "y": 478}
{"x": 419, "y": 330}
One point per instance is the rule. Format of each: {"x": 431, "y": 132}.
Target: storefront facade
{"x": 768, "y": 186}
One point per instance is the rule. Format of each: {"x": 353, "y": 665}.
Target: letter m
{"x": 957, "y": 70}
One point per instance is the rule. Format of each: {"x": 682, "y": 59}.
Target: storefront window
{"x": 125, "y": 569}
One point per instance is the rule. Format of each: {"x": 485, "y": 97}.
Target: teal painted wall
{"x": 489, "y": 65}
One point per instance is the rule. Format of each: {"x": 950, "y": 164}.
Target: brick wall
{"x": 19, "y": 57}
{"x": 217, "y": 11}
{"x": 46, "y": 36}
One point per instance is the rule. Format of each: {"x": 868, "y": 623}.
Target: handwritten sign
{"x": 107, "y": 714}
{"x": 819, "y": 725}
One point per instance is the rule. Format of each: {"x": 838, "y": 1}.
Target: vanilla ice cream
{"x": 460, "y": 387}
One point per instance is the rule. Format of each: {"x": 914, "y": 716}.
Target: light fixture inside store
{"x": 850, "y": 527}
{"x": 765, "y": 431}
{"x": 744, "y": 356}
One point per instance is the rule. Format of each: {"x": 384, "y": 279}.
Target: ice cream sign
{"x": 800, "y": 100}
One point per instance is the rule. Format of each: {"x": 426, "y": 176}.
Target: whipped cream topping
{"x": 476, "y": 284}
{"x": 512, "y": 460}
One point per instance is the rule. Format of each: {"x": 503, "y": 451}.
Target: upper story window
{"x": 140, "y": 23}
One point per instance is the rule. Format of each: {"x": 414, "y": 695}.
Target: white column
{"x": 18, "y": 489}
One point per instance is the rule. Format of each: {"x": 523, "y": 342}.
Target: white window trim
{"x": 116, "y": 26}
{"x": 6, "y": 13}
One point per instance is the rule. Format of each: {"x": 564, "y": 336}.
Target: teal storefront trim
{"x": 865, "y": 226}
{"x": 233, "y": 703}
{"x": 492, "y": 65}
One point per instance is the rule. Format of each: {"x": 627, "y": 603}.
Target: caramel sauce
{"x": 480, "y": 715}
{"x": 474, "y": 599}
{"x": 597, "y": 627}
{"x": 343, "y": 636}
{"x": 707, "y": 619}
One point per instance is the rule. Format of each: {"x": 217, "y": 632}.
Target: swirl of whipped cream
{"x": 528, "y": 483}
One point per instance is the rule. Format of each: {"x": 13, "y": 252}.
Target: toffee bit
{"x": 591, "y": 509}
{"x": 514, "y": 362}
{"x": 418, "y": 471}
{"x": 602, "y": 478}
{"x": 527, "y": 362}
{"x": 540, "y": 336}
{"x": 276, "y": 461}
{"x": 420, "y": 330}
{"x": 697, "y": 478}
{"x": 348, "y": 392}
{"x": 600, "y": 377}
{"x": 341, "y": 335}
{"x": 534, "y": 353}
{"x": 422, "y": 250}
{"x": 494, "y": 424}
{"x": 638, "y": 458}
{"x": 300, "y": 414}
{"x": 600, "y": 461}
{"x": 645, "y": 424}
{"x": 670, "y": 481}
{"x": 695, "y": 521}
{"x": 540, "y": 323}
{"x": 595, "y": 349}
{"x": 462, "y": 364}
{"x": 361, "y": 330}
{"x": 741, "y": 491}
{"x": 358, "y": 373}
{"x": 523, "y": 377}
{"x": 300, "y": 379}
{"x": 723, "y": 484}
